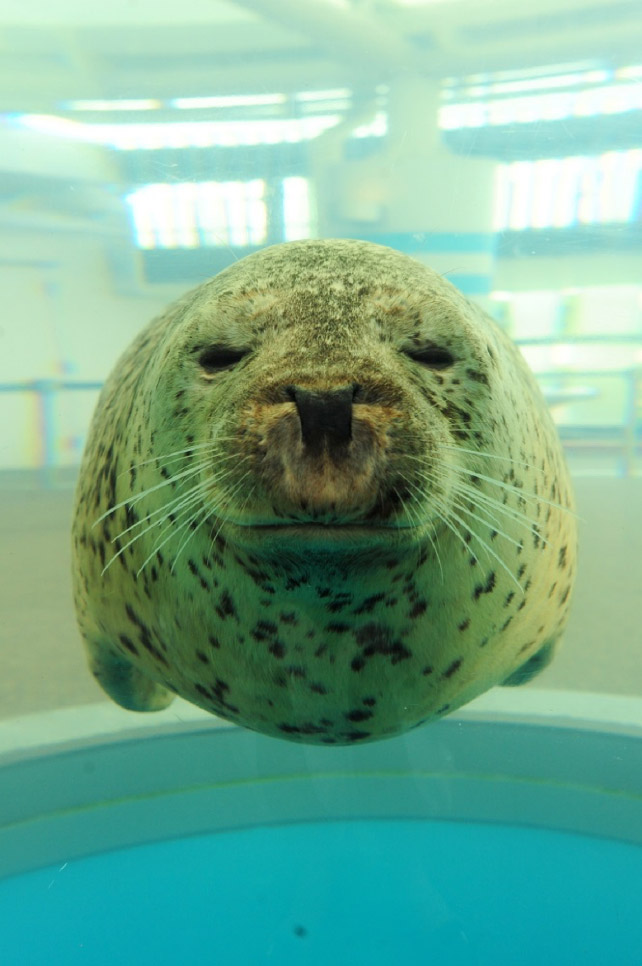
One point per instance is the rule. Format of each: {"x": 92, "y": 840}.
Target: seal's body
{"x": 322, "y": 497}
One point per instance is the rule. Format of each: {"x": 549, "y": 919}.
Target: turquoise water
{"x": 335, "y": 893}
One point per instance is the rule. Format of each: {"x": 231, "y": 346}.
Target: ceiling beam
{"x": 371, "y": 48}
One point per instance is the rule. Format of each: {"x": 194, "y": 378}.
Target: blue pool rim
{"x": 75, "y": 797}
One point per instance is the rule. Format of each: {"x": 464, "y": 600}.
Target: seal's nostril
{"x": 325, "y": 416}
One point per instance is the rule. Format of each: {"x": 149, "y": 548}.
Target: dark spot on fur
{"x": 452, "y": 668}
{"x": 128, "y": 643}
{"x": 477, "y": 376}
{"x": 419, "y": 608}
{"x": 225, "y": 606}
{"x": 358, "y": 715}
{"x": 376, "y": 639}
{"x": 309, "y": 728}
{"x": 368, "y": 605}
{"x": 296, "y": 671}
{"x": 485, "y": 588}
{"x": 264, "y": 630}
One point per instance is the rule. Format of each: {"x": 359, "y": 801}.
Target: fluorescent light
{"x": 126, "y": 105}
{"x": 336, "y": 93}
{"x": 192, "y": 214}
{"x": 182, "y": 134}
{"x": 560, "y": 192}
{"x": 231, "y": 100}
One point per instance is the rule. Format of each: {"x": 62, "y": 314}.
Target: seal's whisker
{"x": 170, "y": 507}
{"x": 132, "y": 500}
{"x": 211, "y": 446}
{"x": 489, "y": 504}
{"x": 194, "y": 497}
{"x": 442, "y": 513}
{"x": 524, "y": 496}
{"x": 170, "y": 457}
{"x": 174, "y": 530}
{"x": 247, "y": 499}
{"x": 486, "y": 547}
{"x": 452, "y": 514}
{"x": 491, "y": 519}
{"x": 531, "y": 467}
{"x": 517, "y": 490}
{"x": 413, "y": 511}
{"x": 463, "y": 508}
{"x": 222, "y": 517}
{"x": 490, "y": 456}
{"x": 407, "y": 506}
{"x": 179, "y": 502}
{"x": 204, "y": 512}
{"x": 195, "y": 470}
{"x": 174, "y": 506}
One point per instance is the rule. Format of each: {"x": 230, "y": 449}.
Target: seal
{"x": 321, "y": 497}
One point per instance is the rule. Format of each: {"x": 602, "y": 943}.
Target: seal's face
{"x": 328, "y": 412}
{"x": 321, "y": 497}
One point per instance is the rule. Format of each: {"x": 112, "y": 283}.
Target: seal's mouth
{"x": 298, "y": 536}
{"x": 326, "y": 527}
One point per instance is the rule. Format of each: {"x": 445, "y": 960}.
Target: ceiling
{"x": 52, "y": 51}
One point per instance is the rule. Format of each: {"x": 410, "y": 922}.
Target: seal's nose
{"x": 325, "y": 416}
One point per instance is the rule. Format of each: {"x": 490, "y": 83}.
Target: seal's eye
{"x": 217, "y": 357}
{"x": 432, "y": 356}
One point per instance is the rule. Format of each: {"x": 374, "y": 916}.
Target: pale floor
{"x": 41, "y": 655}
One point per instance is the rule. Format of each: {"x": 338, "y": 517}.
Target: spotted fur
{"x": 321, "y": 497}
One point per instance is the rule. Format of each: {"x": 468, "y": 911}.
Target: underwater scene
{"x": 321, "y": 482}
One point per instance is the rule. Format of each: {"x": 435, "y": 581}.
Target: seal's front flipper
{"x": 532, "y": 667}
{"x": 124, "y": 683}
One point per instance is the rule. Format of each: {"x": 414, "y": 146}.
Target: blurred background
{"x": 146, "y": 145}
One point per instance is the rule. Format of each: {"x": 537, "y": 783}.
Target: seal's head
{"x": 327, "y": 387}
{"x": 344, "y": 502}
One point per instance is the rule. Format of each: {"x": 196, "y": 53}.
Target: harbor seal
{"x": 321, "y": 497}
